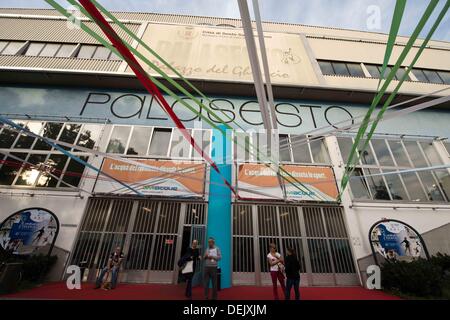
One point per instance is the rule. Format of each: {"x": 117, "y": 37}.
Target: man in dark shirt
{"x": 292, "y": 269}
{"x": 113, "y": 267}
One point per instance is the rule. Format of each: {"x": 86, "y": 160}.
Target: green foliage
{"x": 419, "y": 278}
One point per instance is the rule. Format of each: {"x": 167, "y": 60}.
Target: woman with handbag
{"x": 276, "y": 264}
{"x": 190, "y": 262}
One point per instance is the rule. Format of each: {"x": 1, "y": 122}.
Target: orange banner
{"x": 257, "y": 181}
{"x": 155, "y": 177}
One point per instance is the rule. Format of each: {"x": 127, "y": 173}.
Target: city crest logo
{"x": 288, "y": 57}
{"x": 188, "y": 33}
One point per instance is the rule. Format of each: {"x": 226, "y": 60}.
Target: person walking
{"x": 276, "y": 265}
{"x": 112, "y": 267}
{"x": 292, "y": 268}
{"x": 190, "y": 261}
{"x": 211, "y": 258}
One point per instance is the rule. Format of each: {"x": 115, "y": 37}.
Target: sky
{"x": 366, "y": 15}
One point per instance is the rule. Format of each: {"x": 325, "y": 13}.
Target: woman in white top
{"x": 276, "y": 264}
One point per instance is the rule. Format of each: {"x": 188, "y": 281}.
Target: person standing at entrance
{"x": 276, "y": 264}
{"x": 190, "y": 261}
{"x": 292, "y": 267}
{"x": 211, "y": 258}
{"x": 112, "y": 267}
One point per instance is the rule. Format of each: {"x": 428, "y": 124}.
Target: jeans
{"x": 210, "y": 274}
{"x": 276, "y": 275}
{"x": 292, "y": 283}
{"x": 114, "y": 276}
{"x": 188, "y": 278}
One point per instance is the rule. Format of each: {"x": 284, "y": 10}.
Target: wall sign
{"x": 320, "y": 182}
{"x": 29, "y": 231}
{"x": 158, "y": 177}
{"x": 395, "y": 240}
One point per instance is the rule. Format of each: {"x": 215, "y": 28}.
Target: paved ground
{"x": 58, "y": 290}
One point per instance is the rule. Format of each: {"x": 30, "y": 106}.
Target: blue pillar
{"x": 219, "y": 207}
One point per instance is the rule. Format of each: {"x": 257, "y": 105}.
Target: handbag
{"x": 188, "y": 267}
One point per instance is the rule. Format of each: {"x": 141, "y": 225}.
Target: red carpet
{"x": 128, "y": 291}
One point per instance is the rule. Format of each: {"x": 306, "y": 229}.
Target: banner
{"x": 27, "y": 231}
{"x": 157, "y": 177}
{"x": 395, "y": 240}
{"x": 319, "y": 181}
{"x": 215, "y": 53}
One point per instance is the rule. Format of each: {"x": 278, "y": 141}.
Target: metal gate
{"x": 149, "y": 231}
{"x": 318, "y": 235}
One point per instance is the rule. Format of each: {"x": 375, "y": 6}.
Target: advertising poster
{"x": 154, "y": 177}
{"x": 305, "y": 183}
{"x": 396, "y": 241}
{"x": 28, "y": 230}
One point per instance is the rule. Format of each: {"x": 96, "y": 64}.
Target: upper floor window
{"x": 11, "y": 47}
{"x": 341, "y": 68}
{"x": 432, "y": 76}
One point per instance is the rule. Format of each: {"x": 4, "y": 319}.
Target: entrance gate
{"x": 318, "y": 235}
{"x": 149, "y": 231}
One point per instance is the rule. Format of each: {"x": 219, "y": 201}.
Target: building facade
{"x": 60, "y": 83}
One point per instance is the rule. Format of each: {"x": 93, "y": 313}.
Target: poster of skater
{"x": 395, "y": 240}
{"x": 29, "y": 231}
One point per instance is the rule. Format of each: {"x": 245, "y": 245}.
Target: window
{"x": 373, "y": 70}
{"x": 319, "y": 151}
{"x": 66, "y": 50}
{"x": 51, "y": 131}
{"x": 160, "y": 142}
{"x": 139, "y": 141}
{"x": 119, "y": 139}
{"x": 101, "y": 53}
{"x": 366, "y": 156}
{"x": 377, "y": 171}
{"x": 11, "y": 167}
{"x": 355, "y": 70}
{"x": 345, "y": 145}
{"x": 89, "y": 135}
{"x": 300, "y": 149}
{"x": 3, "y": 44}
{"x": 12, "y": 48}
{"x": 326, "y": 67}
{"x": 445, "y": 76}
{"x": 242, "y": 147}
{"x": 25, "y": 141}
{"x": 203, "y": 139}
{"x": 34, "y": 49}
{"x": 432, "y": 76}
{"x": 285, "y": 153}
{"x": 50, "y": 50}
{"x": 86, "y": 51}
{"x": 340, "y": 69}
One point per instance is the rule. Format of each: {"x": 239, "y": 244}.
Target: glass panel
{"x": 89, "y": 135}
{"x": 413, "y": 186}
{"x": 300, "y": 149}
{"x": 431, "y": 153}
{"x": 386, "y": 72}
{"x": 445, "y": 76}
{"x": 70, "y": 133}
{"x": 366, "y": 156}
{"x": 399, "y": 153}
{"x": 326, "y": 68}
{"x": 101, "y": 53}
{"x": 74, "y": 172}
{"x": 319, "y": 151}
{"x": 204, "y": 137}
{"x": 13, "y": 47}
{"x": 3, "y": 45}
{"x": 443, "y": 177}
{"x": 243, "y": 146}
{"x": 160, "y": 142}
{"x": 432, "y": 76}
{"x": 285, "y": 153}
{"x": 49, "y": 50}
{"x": 430, "y": 184}
{"x": 377, "y": 185}
{"x": 373, "y": 70}
{"x": 119, "y": 139}
{"x": 415, "y": 154}
{"x": 66, "y": 50}
{"x": 382, "y": 152}
{"x": 345, "y": 145}
{"x": 54, "y": 165}
{"x": 86, "y": 51}
{"x": 340, "y": 69}
{"x": 51, "y": 130}
{"x": 29, "y": 175}
{"x": 358, "y": 185}
{"x": 355, "y": 70}
{"x": 139, "y": 141}
{"x": 7, "y": 138}
{"x": 420, "y": 75}
{"x": 34, "y": 49}
{"x": 180, "y": 146}
{"x": 25, "y": 141}
{"x": 10, "y": 168}
{"x": 400, "y": 72}
{"x": 114, "y": 56}
{"x": 395, "y": 186}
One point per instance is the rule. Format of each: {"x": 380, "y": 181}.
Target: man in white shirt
{"x": 211, "y": 257}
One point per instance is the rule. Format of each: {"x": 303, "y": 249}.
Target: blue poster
{"x": 28, "y": 230}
